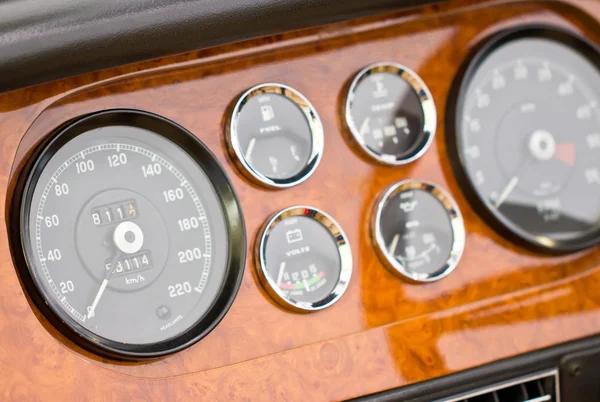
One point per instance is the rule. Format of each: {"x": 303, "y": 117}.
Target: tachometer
{"x": 526, "y": 131}
{"x": 130, "y": 235}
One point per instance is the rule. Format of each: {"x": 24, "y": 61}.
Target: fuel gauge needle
{"x": 506, "y": 192}
{"x": 248, "y": 155}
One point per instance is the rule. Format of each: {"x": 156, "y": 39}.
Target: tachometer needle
{"x": 280, "y": 275}
{"x": 506, "y": 192}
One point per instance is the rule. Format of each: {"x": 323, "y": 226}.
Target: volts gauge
{"x": 418, "y": 230}
{"x": 391, "y": 113}
{"x": 303, "y": 259}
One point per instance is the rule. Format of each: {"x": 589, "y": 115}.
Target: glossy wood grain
{"x": 501, "y": 301}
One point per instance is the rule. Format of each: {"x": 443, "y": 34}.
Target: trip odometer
{"x": 130, "y": 236}
{"x": 525, "y": 126}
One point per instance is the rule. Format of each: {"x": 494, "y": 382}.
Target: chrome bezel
{"x": 314, "y": 123}
{"x": 427, "y": 105}
{"x": 343, "y": 248}
{"x": 456, "y": 222}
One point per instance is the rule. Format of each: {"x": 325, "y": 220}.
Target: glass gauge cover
{"x": 390, "y": 113}
{"x": 128, "y": 235}
{"x": 275, "y": 136}
{"x": 418, "y": 230}
{"x": 304, "y": 259}
{"x": 524, "y": 134}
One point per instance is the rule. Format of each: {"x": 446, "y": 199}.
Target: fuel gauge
{"x": 304, "y": 259}
{"x": 418, "y": 230}
{"x": 275, "y": 136}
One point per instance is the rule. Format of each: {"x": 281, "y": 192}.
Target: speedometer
{"x": 525, "y": 130}
{"x": 130, "y": 237}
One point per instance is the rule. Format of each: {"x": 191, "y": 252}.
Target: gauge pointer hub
{"x": 542, "y": 145}
{"x": 129, "y": 239}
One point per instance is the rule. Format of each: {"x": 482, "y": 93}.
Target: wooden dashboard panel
{"x": 501, "y": 301}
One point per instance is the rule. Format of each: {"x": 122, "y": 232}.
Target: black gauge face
{"x": 125, "y": 235}
{"x": 418, "y": 231}
{"x": 275, "y": 135}
{"x": 528, "y": 136}
{"x": 390, "y": 113}
{"x": 304, "y": 259}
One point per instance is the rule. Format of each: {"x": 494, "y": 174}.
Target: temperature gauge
{"x": 275, "y": 136}
{"x": 418, "y": 230}
{"x": 390, "y": 113}
{"x": 304, "y": 259}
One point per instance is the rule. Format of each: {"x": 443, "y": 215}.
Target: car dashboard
{"x": 399, "y": 206}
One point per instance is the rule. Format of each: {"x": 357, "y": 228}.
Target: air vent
{"x": 541, "y": 387}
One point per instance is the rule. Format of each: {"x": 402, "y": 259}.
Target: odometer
{"x": 526, "y": 131}
{"x": 131, "y": 238}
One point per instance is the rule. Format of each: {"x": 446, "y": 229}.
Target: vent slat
{"x": 524, "y": 391}
{"x": 543, "y": 398}
{"x": 541, "y": 387}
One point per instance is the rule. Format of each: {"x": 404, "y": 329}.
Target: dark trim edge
{"x": 43, "y": 40}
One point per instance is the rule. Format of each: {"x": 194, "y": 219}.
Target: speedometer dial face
{"x": 131, "y": 234}
{"x": 527, "y": 134}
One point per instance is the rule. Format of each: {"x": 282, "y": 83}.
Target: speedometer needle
{"x": 91, "y": 312}
{"x": 128, "y": 239}
{"x": 92, "y": 309}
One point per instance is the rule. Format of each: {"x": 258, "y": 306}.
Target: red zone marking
{"x": 565, "y": 153}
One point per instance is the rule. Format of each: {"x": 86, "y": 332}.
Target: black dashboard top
{"x": 44, "y": 40}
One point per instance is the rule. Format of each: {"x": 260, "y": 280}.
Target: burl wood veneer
{"x": 501, "y": 301}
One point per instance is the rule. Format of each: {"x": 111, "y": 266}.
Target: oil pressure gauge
{"x": 304, "y": 259}
{"x": 390, "y": 113}
{"x": 275, "y": 136}
{"x": 418, "y": 230}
